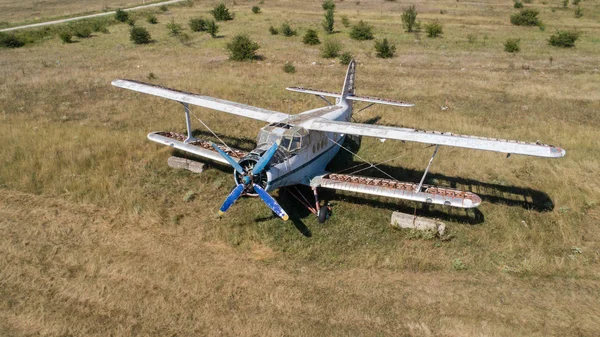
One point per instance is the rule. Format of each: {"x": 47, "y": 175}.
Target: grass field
{"x": 96, "y": 238}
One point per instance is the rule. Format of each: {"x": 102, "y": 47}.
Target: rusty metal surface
{"x": 401, "y": 190}
{"x": 203, "y": 144}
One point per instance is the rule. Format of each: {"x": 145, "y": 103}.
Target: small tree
{"x": 212, "y": 28}
{"x": 197, "y": 24}
{"x": 345, "y": 21}
{"x": 345, "y": 58}
{"x": 289, "y": 68}
{"x": 512, "y": 45}
{"x": 527, "y": 17}
{"x": 174, "y": 28}
{"x": 139, "y": 35}
{"x": 221, "y": 13}
{"x": 287, "y": 30}
{"x": 82, "y": 30}
{"x": 519, "y": 4}
{"x": 563, "y": 38}
{"x": 362, "y": 31}
{"x": 409, "y": 19}
{"x": 255, "y": 9}
{"x": 273, "y": 30}
{"x": 311, "y": 37}
{"x": 330, "y": 49}
{"x": 242, "y": 48}
{"x": 328, "y": 4}
{"x": 66, "y": 36}
{"x": 11, "y": 41}
{"x": 152, "y": 19}
{"x": 328, "y": 23}
{"x": 121, "y": 15}
{"x": 434, "y": 29}
{"x": 384, "y": 49}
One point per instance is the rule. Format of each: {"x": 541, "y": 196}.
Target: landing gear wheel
{"x": 323, "y": 214}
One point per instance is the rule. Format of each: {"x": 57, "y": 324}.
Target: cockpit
{"x": 293, "y": 138}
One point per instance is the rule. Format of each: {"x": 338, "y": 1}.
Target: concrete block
{"x": 187, "y": 164}
{"x": 403, "y": 220}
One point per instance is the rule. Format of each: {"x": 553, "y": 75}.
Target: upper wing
{"x": 435, "y": 137}
{"x": 203, "y": 101}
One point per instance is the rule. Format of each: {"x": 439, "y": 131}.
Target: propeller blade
{"x": 230, "y": 160}
{"x": 231, "y": 198}
{"x": 265, "y": 159}
{"x": 271, "y": 202}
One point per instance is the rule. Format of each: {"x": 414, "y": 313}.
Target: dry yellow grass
{"x": 95, "y": 238}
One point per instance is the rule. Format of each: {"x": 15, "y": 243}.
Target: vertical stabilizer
{"x": 349, "y": 88}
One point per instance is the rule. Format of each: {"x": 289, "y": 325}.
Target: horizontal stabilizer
{"x": 380, "y": 101}
{"x": 399, "y": 190}
{"x": 351, "y": 97}
{"x": 198, "y": 147}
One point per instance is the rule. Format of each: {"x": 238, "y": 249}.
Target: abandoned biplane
{"x": 295, "y": 149}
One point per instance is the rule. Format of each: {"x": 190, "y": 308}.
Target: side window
{"x": 285, "y": 142}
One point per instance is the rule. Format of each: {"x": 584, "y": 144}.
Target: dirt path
{"x": 70, "y": 269}
{"x": 41, "y": 24}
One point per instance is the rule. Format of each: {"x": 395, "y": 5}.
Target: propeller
{"x": 247, "y": 181}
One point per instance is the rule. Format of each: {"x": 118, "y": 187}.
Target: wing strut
{"x": 427, "y": 169}
{"x": 188, "y": 124}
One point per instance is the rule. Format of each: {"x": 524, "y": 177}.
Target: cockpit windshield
{"x": 292, "y": 138}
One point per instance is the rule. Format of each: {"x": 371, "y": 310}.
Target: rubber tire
{"x": 323, "y": 214}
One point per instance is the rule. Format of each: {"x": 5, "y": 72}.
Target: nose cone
{"x": 246, "y": 180}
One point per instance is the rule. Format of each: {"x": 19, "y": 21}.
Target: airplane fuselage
{"x": 302, "y": 154}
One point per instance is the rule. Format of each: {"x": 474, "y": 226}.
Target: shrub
{"x": 152, "y": 19}
{"x": 99, "y": 26}
{"x": 434, "y": 29}
{"x": 174, "y": 28}
{"x": 66, "y": 36}
{"x": 139, "y": 35}
{"x": 362, "y": 31}
{"x": 121, "y": 15}
{"x": 512, "y": 45}
{"x": 242, "y": 48}
{"x": 578, "y": 12}
{"x": 131, "y": 22}
{"x": 255, "y": 9}
{"x": 212, "y": 28}
{"x": 330, "y": 49}
{"x": 519, "y": 4}
{"x": 287, "y": 30}
{"x": 328, "y": 4}
{"x": 563, "y": 38}
{"x": 345, "y": 21}
{"x": 409, "y": 19}
{"x": 328, "y": 22}
{"x": 565, "y": 3}
{"x": 164, "y": 8}
{"x": 311, "y": 37}
{"x": 576, "y": 2}
{"x": 11, "y": 41}
{"x": 82, "y": 30}
{"x": 472, "y": 38}
{"x": 527, "y": 17}
{"x": 273, "y": 30}
{"x": 221, "y": 13}
{"x": 197, "y": 24}
{"x": 345, "y": 58}
{"x": 384, "y": 49}
{"x": 289, "y": 68}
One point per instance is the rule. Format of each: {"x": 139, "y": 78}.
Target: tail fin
{"x": 349, "y": 89}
